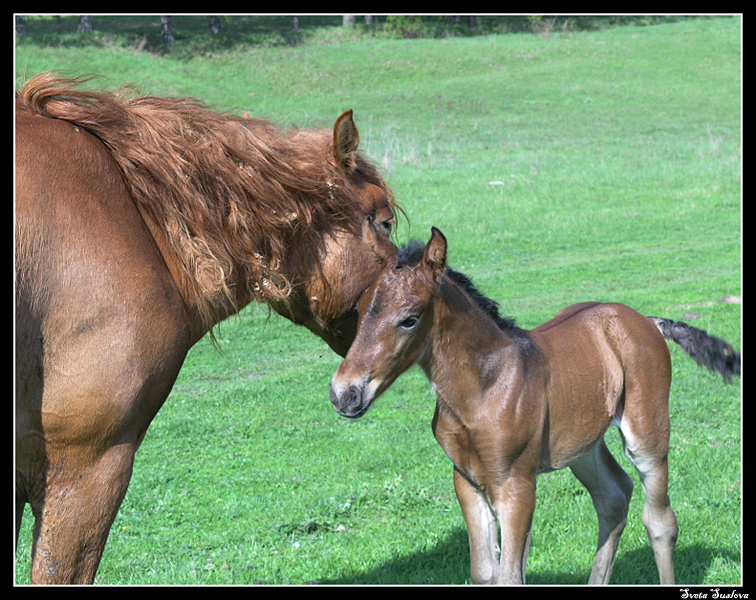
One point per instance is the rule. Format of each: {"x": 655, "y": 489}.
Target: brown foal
{"x": 512, "y": 404}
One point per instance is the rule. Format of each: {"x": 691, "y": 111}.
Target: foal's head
{"x": 395, "y": 315}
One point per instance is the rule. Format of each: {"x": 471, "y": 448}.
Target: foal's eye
{"x": 409, "y": 323}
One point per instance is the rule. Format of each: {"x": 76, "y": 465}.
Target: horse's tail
{"x": 711, "y": 352}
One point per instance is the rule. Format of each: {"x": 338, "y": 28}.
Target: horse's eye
{"x": 409, "y": 323}
{"x": 386, "y": 226}
{"x": 382, "y": 226}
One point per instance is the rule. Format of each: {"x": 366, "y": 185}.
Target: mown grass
{"x": 587, "y": 166}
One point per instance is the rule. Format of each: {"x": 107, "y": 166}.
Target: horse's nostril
{"x": 355, "y": 397}
{"x": 350, "y": 401}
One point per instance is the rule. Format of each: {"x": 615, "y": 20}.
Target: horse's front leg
{"x": 514, "y": 503}
{"x": 73, "y": 517}
{"x": 482, "y": 531}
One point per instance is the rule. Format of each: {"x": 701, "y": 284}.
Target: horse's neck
{"x": 464, "y": 346}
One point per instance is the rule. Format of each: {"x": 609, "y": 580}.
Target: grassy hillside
{"x": 594, "y": 165}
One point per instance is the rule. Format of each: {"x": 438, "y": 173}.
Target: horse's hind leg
{"x": 661, "y": 524}
{"x": 645, "y": 428}
{"x": 658, "y": 517}
{"x": 611, "y": 489}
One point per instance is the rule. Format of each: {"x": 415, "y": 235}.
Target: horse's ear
{"x": 346, "y": 138}
{"x": 383, "y": 249}
{"x": 435, "y": 253}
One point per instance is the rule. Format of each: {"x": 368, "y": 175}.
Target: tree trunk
{"x": 20, "y": 24}
{"x": 167, "y": 30}
{"x": 85, "y": 24}
{"x": 213, "y": 25}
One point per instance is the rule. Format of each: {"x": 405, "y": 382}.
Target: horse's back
{"x": 594, "y": 334}
{"x": 606, "y": 317}
{"x": 600, "y": 356}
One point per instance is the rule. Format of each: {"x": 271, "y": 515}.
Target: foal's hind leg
{"x": 650, "y": 459}
{"x": 645, "y": 428}
{"x": 611, "y": 489}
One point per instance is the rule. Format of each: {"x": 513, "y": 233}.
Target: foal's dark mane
{"x": 410, "y": 255}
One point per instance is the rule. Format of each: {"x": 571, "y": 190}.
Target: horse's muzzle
{"x": 353, "y": 400}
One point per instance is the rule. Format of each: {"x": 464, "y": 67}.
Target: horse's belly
{"x": 579, "y": 416}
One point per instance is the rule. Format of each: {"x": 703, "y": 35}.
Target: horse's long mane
{"x": 235, "y": 195}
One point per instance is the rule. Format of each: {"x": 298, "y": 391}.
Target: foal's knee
{"x": 484, "y": 575}
{"x": 484, "y": 560}
{"x": 661, "y": 524}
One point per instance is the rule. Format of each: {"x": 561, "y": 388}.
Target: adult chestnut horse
{"x": 512, "y": 403}
{"x": 141, "y": 222}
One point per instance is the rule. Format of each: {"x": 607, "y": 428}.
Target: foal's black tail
{"x": 711, "y": 352}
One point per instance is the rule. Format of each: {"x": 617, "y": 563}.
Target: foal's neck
{"x": 465, "y": 346}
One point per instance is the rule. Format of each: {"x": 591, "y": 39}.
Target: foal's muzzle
{"x": 351, "y": 400}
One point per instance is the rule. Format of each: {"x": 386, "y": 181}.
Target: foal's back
{"x": 605, "y": 362}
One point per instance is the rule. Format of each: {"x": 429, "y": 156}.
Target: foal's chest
{"x": 459, "y": 444}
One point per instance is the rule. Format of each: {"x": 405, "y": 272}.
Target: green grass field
{"x": 592, "y": 165}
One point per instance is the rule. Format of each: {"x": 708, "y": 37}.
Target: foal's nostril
{"x": 348, "y": 401}
{"x": 354, "y": 400}
{"x": 351, "y": 396}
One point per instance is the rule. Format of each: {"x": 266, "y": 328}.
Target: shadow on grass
{"x": 692, "y": 564}
{"x": 448, "y": 563}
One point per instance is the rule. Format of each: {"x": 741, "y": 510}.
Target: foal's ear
{"x": 383, "y": 249}
{"x": 435, "y": 253}
{"x": 346, "y": 138}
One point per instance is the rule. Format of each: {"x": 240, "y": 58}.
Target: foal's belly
{"x": 583, "y": 402}
{"x": 582, "y": 349}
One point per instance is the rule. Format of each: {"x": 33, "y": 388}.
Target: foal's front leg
{"x": 514, "y": 504}
{"x": 482, "y": 531}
